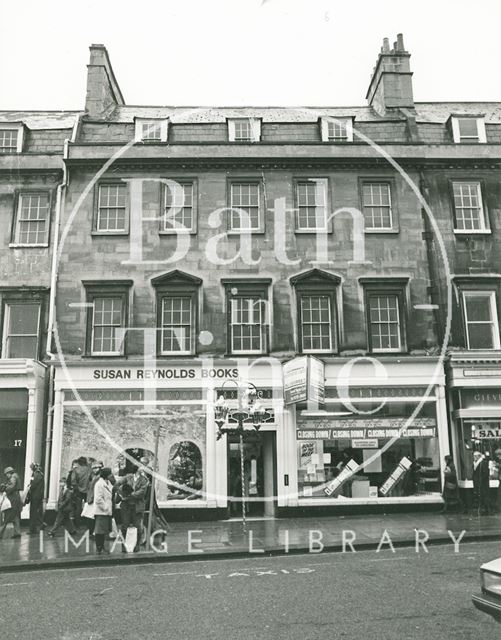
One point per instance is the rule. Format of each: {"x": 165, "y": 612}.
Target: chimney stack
{"x": 391, "y": 83}
{"x": 103, "y": 92}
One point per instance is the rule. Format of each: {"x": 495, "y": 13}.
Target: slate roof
{"x": 41, "y": 119}
{"x": 425, "y": 112}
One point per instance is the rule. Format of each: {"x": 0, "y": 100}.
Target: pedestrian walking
{"x": 34, "y": 498}
{"x": 497, "y": 461}
{"x": 140, "y": 485}
{"x": 13, "y": 515}
{"x": 158, "y": 522}
{"x": 64, "y": 509}
{"x": 103, "y": 503}
{"x": 480, "y": 483}
{"x": 88, "y": 507}
{"x": 80, "y": 476}
{"x": 128, "y": 518}
{"x": 450, "y": 493}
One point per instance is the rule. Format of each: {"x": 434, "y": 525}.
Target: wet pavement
{"x": 198, "y": 540}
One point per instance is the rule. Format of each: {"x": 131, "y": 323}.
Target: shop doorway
{"x": 13, "y": 446}
{"x": 259, "y": 473}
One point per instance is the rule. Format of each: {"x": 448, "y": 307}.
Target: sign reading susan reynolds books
{"x": 304, "y": 380}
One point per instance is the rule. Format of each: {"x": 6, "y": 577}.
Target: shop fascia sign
{"x": 177, "y": 372}
{"x": 304, "y": 380}
{"x": 364, "y": 428}
{"x": 481, "y": 398}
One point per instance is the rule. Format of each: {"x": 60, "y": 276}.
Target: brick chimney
{"x": 391, "y": 83}
{"x": 103, "y": 92}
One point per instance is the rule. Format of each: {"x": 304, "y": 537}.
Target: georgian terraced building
{"x": 199, "y": 245}
{"x": 31, "y": 192}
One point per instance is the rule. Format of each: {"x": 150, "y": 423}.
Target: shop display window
{"x": 410, "y": 466}
{"x": 478, "y": 435}
{"x": 185, "y": 469}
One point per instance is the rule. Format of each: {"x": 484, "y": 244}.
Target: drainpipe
{"x": 60, "y": 199}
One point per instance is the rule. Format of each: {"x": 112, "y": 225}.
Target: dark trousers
{"x": 36, "y": 516}
{"x": 481, "y": 501}
{"x": 63, "y": 518}
{"x": 13, "y": 516}
{"x": 99, "y": 538}
{"x": 129, "y": 518}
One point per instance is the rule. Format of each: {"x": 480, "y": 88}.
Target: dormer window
{"x": 468, "y": 129}
{"x": 11, "y": 137}
{"x": 336, "y": 129}
{"x": 244, "y": 130}
{"x": 151, "y": 130}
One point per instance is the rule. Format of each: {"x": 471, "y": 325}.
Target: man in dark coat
{"x": 480, "y": 483}
{"x": 80, "y": 477}
{"x": 140, "y": 486}
{"x": 35, "y": 498}
{"x": 12, "y": 488}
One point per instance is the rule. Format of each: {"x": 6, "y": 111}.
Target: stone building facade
{"x": 197, "y": 246}
{"x": 31, "y": 192}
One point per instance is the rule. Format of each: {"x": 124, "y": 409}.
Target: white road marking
{"x": 16, "y": 584}
{"x": 176, "y": 573}
{"x": 97, "y": 578}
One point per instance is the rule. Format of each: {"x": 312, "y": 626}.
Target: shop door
{"x": 13, "y": 446}
{"x": 259, "y": 475}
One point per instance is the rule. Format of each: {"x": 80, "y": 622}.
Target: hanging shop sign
{"x": 366, "y": 428}
{"x": 403, "y": 467}
{"x": 304, "y": 380}
{"x": 340, "y": 479}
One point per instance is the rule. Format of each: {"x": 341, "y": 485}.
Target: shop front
{"x": 474, "y": 385}
{"x": 22, "y": 416}
{"x": 117, "y": 413}
{"x": 378, "y": 442}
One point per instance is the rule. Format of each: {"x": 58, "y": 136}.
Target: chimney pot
{"x": 400, "y": 42}
{"x": 386, "y": 46}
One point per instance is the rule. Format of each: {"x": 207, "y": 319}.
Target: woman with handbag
{"x": 450, "y": 493}
{"x": 103, "y": 508}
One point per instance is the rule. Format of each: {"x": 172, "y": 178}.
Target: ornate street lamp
{"x": 248, "y": 412}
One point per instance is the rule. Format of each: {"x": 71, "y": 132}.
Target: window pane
{"x": 246, "y": 324}
{"x": 112, "y": 207}
{"x": 8, "y": 140}
{"x": 376, "y": 199}
{"x": 384, "y": 322}
{"x": 468, "y": 127}
{"x": 179, "y": 207}
{"x": 32, "y": 219}
{"x": 22, "y": 347}
{"x": 478, "y": 308}
{"x": 316, "y": 323}
{"x": 468, "y": 208}
{"x": 176, "y": 324}
{"x": 23, "y": 319}
{"x": 245, "y": 198}
{"x": 107, "y": 318}
{"x": 480, "y": 336}
{"x": 311, "y": 205}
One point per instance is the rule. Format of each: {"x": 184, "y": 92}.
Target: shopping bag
{"x": 114, "y": 529}
{"x": 4, "y": 502}
{"x": 130, "y": 539}
{"x": 88, "y": 511}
